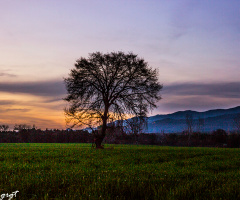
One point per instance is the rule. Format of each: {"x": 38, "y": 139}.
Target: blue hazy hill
{"x": 175, "y": 122}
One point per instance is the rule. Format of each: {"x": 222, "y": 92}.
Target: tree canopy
{"x": 107, "y": 87}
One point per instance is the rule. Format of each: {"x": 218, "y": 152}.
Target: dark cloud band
{"x": 7, "y": 74}
{"x": 47, "y": 88}
{"x": 223, "y": 90}
{"x": 6, "y": 102}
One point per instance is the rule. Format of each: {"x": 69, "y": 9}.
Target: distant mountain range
{"x": 176, "y": 122}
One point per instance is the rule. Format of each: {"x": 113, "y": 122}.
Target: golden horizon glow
{"x": 31, "y": 110}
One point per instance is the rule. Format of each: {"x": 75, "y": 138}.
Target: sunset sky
{"x": 194, "y": 44}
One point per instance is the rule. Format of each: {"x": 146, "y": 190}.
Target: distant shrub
{"x": 219, "y": 136}
{"x": 233, "y": 140}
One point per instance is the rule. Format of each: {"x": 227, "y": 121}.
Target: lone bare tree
{"x": 4, "y": 127}
{"x": 136, "y": 125}
{"x": 107, "y": 87}
{"x": 236, "y": 123}
{"x": 200, "y": 124}
{"x": 190, "y": 125}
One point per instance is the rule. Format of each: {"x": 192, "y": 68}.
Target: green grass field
{"x": 75, "y": 171}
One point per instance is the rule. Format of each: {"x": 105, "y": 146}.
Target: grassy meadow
{"x": 75, "y": 171}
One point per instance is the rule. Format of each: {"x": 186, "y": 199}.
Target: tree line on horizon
{"x": 115, "y": 135}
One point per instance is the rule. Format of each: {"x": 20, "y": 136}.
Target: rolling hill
{"x": 176, "y": 122}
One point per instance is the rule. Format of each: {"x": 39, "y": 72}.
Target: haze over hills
{"x": 176, "y": 122}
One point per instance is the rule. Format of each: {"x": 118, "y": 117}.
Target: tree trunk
{"x": 98, "y": 142}
{"x": 100, "y": 137}
{"x": 188, "y": 138}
